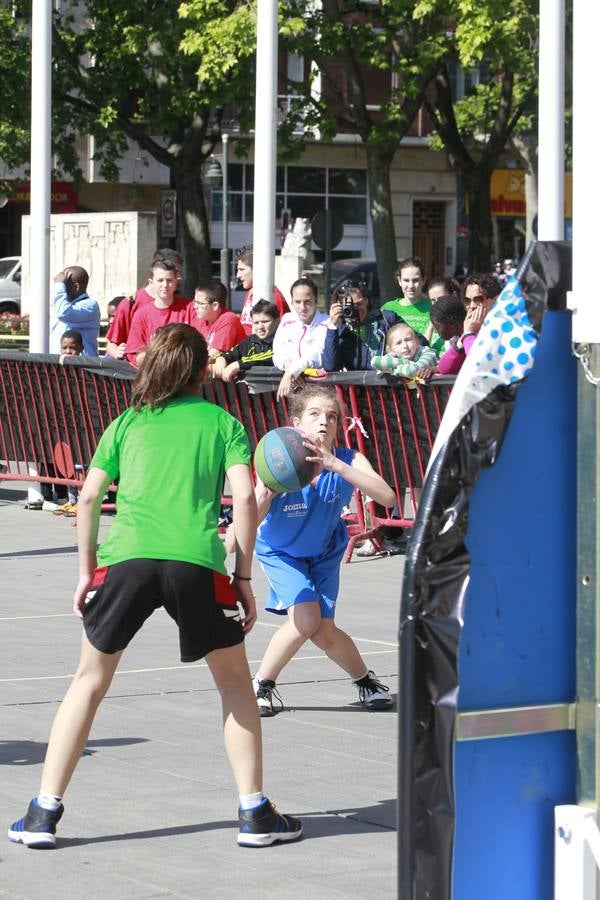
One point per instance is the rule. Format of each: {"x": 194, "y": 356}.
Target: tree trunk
{"x": 192, "y": 220}
{"x": 477, "y": 189}
{"x": 526, "y": 149}
{"x": 379, "y": 161}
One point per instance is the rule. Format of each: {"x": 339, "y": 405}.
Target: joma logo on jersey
{"x": 293, "y": 507}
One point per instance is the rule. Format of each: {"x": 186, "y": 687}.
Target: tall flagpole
{"x": 41, "y": 111}
{"x": 265, "y": 150}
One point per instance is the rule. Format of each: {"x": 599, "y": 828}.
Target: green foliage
{"x": 139, "y": 69}
{"x": 492, "y": 38}
{"x": 16, "y": 81}
{"x": 402, "y": 39}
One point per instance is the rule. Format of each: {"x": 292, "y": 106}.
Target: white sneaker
{"x": 49, "y": 506}
{"x": 367, "y": 549}
{"x": 372, "y": 693}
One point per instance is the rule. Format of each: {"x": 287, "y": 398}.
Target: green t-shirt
{"x": 171, "y": 466}
{"x": 417, "y": 316}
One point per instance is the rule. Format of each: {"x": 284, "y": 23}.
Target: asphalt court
{"x": 151, "y": 811}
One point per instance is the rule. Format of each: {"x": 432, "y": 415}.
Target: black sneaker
{"x": 266, "y": 693}
{"x": 37, "y": 828}
{"x": 372, "y": 693}
{"x": 394, "y": 543}
{"x": 34, "y": 504}
{"x": 264, "y": 825}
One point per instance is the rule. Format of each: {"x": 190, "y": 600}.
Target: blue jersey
{"x": 306, "y": 523}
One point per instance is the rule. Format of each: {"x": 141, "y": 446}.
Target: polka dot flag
{"x": 505, "y": 348}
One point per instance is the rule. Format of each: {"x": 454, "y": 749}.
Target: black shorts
{"x": 124, "y": 595}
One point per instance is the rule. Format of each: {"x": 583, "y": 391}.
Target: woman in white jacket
{"x": 299, "y": 341}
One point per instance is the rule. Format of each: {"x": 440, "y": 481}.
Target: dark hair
{"x": 169, "y": 255}
{"x": 298, "y": 401}
{"x": 78, "y": 274}
{"x": 348, "y": 288}
{"x": 160, "y": 263}
{"x": 450, "y": 285}
{"x": 116, "y": 300}
{"x": 245, "y": 255}
{"x": 216, "y": 290}
{"x": 448, "y": 309}
{"x": 305, "y": 281}
{"x": 175, "y": 361}
{"x": 72, "y": 335}
{"x": 266, "y": 308}
{"x": 489, "y": 284}
{"x": 415, "y": 261}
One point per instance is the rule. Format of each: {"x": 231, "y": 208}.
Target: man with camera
{"x": 356, "y": 330}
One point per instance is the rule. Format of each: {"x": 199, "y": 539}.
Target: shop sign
{"x": 63, "y": 196}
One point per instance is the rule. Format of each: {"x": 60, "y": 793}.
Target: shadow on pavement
{"x": 31, "y": 753}
{"x": 353, "y": 820}
{"x": 43, "y": 551}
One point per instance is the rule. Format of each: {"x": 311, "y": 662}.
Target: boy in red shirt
{"x": 244, "y": 262}
{"x": 120, "y": 326}
{"x": 220, "y": 328}
{"x": 165, "y": 309}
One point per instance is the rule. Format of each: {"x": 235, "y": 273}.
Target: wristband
{"x": 241, "y": 577}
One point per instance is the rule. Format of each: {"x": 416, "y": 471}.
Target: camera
{"x": 349, "y": 314}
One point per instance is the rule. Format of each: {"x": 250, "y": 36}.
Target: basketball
{"x": 280, "y": 460}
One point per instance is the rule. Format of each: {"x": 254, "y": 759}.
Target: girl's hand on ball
{"x": 264, "y": 492}
{"x": 321, "y": 454}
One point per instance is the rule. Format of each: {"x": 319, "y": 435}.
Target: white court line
{"x": 262, "y": 624}
{"x": 40, "y": 616}
{"x": 187, "y": 666}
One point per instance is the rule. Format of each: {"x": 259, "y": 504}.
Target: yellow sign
{"x": 507, "y": 193}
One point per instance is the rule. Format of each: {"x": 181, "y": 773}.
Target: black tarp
{"x": 431, "y": 615}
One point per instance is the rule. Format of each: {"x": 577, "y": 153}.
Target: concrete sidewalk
{"x": 152, "y": 810}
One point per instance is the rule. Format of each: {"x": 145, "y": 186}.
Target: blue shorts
{"x": 302, "y": 579}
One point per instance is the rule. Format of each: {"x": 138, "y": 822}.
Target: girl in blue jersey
{"x": 300, "y": 546}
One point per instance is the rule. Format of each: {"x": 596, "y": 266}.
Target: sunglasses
{"x": 348, "y": 286}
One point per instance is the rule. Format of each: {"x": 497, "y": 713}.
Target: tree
{"x": 399, "y": 39}
{"x": 123, "y": 70}
{"x": 15, "y": 81}
{"x": 392, "y": 38}
{"x": 498, "y": 38}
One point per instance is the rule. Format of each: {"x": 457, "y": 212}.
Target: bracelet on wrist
{"x": 241, "y": 577}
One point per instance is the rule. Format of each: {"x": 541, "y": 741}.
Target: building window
{"x": 464, "y": 81}
{"x": 302, "y": 190}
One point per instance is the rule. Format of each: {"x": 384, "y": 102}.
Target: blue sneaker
{"x": 37, "y": 828}
{"x": 264, "y": 825}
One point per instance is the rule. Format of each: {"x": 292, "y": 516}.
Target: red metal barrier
{"x": 52, "y": 416}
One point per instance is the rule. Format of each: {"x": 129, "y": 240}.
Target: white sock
{"x": 356, "y": 680}
{"x": 250, "y": 801}
{"x": 48, "y": 801}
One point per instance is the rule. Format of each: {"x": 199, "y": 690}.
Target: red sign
{"x": 63, "y": 196}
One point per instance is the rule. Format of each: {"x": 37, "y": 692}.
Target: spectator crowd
{"x": 428, "y": 329}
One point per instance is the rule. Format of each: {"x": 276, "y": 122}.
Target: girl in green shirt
{"x": 171, "y": 451}
{"x": 414, "y": 307}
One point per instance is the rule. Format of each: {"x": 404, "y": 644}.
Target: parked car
{"x": 10, "y": 284}
{"x": 356, "y": 269}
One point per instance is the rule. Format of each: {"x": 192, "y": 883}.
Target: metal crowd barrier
{"x": 53, "y": 412}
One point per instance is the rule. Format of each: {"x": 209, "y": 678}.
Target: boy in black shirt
{"x": 255, "y": 350}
